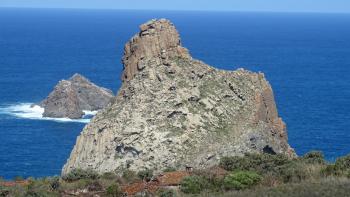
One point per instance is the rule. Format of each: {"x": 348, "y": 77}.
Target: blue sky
{"x": 218, "y": 5}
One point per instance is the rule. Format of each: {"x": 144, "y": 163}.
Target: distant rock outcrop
{"x": 174, "y": 111}
{"x": 71, "y": 97}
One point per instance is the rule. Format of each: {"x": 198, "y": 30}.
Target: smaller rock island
{"x": 70, "y": 98}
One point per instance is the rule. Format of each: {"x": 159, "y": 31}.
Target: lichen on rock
{"x": 175, "y": 111}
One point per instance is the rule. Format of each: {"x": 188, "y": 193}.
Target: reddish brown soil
{"x": 162, "y": 180}
{"x": 14, "y": 183}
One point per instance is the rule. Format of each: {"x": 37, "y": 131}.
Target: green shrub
{"x": 314, "y": 157}
{"x": 261, "y": 163}
{"x": 193, "y": 184}
{"x": 31, "y": 185}
{"x": 329, "y": 170}
{"x": 166, "y": 193}
{"x": 37, "y": 188}
{"x": 241, "y": 180}
{"x": 169, "y": 169}
{"x": 145, "y": 175}
{"x": 109, "y": 176}
{"x": 233, "y": 163}
{"x": 114, "y": 191}
{"x": 54, "y": 183}
{"x": 78, "y": 174}
{"x": 74, "y": 185}
{"x": 31, "y": 193}
{"x": 348, "y": 174}
{"x": 214, "y": 180}
{"x": 341, "y": 167}
{"x": 293, "y": 172}
{"x": 215, "y": 184}
{"x": 129, "y": 175}
{"x": 343, "y": 163}
{"x": 4, "y": 193}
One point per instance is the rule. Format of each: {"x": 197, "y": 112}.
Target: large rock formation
{"x": 173, "y": 111}
{"x": 70, "y": 98}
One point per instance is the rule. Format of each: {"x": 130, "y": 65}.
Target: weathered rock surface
{"x": 71, "y": 97}
{"x": 173, "y": 111}
{"x": 156, "y": 42}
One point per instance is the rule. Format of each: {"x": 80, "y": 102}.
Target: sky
{"x": 209, "y": 5}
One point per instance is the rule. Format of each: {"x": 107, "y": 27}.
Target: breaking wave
{"x": 35, "y": 112}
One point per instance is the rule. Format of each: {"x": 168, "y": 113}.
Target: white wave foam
{"x": 35, "y": 112}
{"x": 90, "y": 113}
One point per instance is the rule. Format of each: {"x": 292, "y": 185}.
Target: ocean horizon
{"x": 305, "y": 57}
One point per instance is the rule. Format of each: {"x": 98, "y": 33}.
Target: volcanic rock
{"x": 70, "y": 98}
{"x": 175, "y": 111}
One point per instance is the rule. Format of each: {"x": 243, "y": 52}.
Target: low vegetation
{"x": 194, "y": 184}
{"x": 251, "y": 175}
{"x": 78, "y": 174}
{"x": 241, "y": 180}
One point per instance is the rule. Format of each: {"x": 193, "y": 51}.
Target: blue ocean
{"x": 306, "y": 58}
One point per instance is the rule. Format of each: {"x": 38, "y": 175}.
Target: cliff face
{"x": 174, "y": 111}
{"x": 71, "y": 97}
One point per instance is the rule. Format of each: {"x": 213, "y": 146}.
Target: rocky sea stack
{"x": 70, "y": 98}
{"x": 175, "y": 111}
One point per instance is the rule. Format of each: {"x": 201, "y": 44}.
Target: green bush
{"x": 166, "y": 193}
{"x": 109, "y": 176}
{"x": 214, "y": 180}
{"x": 31, "y": 185}
{"x": 114, "y": 191}
{"x": 348, "y": 174}
{"x": 54, "y": 183}
{"x": 329, "y": 170}
{"x": 129, "y": 176}
{"x": 341, "y": 167}
{"x": 215, "y": 183}
{"x": 145, "y": 175}
{"x": 293, "y": 172}
{"x": 31, "y": 193}
{"x": 75, "y": 185}
{"x": 261, "y": 163}
{"x": 343, "y": 163}
{"x": 4, "y": 193}
{"x": 78, "y": 174}
{"x": 241, "y": 180}
{"x": 314, "y": 157}
{"x": 38, "y": 188}
{"x": 169, "y": 169}
{"x": 193, "y": 184}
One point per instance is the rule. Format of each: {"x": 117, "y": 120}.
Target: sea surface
{"x": 306, "y": 58}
